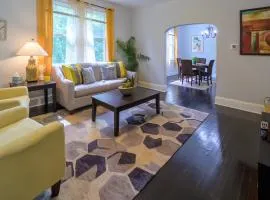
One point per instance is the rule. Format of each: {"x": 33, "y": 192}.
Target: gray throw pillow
{"x": 109, "y": 73}
{"x": 88, "y": 76}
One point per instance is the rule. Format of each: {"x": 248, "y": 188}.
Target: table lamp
{"x": 32, "y": 49}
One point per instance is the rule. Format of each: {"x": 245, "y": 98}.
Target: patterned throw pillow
{"x": 88, "y": 75}
{"x": 78, "y": 73}
{"x": 73, "y": 73}
{"x": 109, "y": 73}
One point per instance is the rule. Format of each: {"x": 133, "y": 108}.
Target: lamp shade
{"x": 32, "y": 49}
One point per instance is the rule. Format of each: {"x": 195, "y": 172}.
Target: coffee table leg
{"x": 158, "y": 104}
{"x": 94, "y": 110}
{"x": 116, "y": 123}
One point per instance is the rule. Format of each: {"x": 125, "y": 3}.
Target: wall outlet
{"x": 264, "y": 125}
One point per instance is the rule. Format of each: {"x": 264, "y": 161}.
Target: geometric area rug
{"x": 102, "y": 167}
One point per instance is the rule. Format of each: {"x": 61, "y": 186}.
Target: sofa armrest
{"x": 8, "y": 103}
{"x": 12, "y": 115}
{"x": 6, "y": 93}
{"x": 65, "y": 91}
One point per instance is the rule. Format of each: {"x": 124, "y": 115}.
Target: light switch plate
{"x": 234, "y": 46}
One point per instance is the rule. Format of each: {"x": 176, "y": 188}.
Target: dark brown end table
{"x": 41, "y": 85}
{"x": 116, "y": 102}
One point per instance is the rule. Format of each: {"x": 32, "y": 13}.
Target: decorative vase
{"x": 31, "y": 70}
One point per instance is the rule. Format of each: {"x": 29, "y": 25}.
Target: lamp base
{"x": 31, "y": 70}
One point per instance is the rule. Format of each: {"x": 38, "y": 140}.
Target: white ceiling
{"x": 135, "y": 3}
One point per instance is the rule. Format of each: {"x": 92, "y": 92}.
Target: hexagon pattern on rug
{"x": 139, "y": 178}
{"x": 86, "y": 162}
{"x": 136, "y": 119}
{"x": 127, "y": 158}
{"x": 172, "y": 127}
{"x": 183, "y": 138}
{"x": 74, "y": 149}
{"x": 168, "y": 147}
{"x": 132, "y": 140}
{"x": 150, "y": 128}
{"x": 101, "y": 166}
{"x": 117, "y": 188}
{"x": 115, "y": 166}
{"x": 151, "y": 143}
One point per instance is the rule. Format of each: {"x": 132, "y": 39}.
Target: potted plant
{"x": 129, "y": 54}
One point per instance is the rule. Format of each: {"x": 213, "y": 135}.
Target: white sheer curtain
{"x": 89, "y": 49}
{"x": 79, "y": 32}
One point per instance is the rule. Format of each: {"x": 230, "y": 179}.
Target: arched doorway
{"x": 196, "y": 43}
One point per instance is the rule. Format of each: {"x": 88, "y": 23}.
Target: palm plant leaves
{"x": 128, "y": 52}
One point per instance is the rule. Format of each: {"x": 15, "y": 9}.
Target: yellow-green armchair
{"x": 32, "y": 156}
{"x": 12, "y": 97}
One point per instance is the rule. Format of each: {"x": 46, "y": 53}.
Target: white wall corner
{"x": 240, "y": 105}
{"x": 161, "y": 88}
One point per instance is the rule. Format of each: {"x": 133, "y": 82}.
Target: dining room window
{"x": 171, "y": 46}
{"x": 79, "y": 32}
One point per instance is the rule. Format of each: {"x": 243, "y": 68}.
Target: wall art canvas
{"x": 255, "y": 31}
{"x": 197, "y": 44}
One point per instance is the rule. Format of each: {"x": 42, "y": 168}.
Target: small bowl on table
{"x": 126, "y": 91}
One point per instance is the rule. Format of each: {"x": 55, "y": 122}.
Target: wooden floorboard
{"x": 218, "y": 162}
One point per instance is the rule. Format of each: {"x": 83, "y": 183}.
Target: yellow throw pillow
{"x": 123, "y": 70}
{"x": 70, "y": 74}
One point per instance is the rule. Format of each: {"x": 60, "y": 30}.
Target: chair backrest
{"x": 201, "y": 60}
{"x": 187, "y": 67}
{"x": 210, "y": 67}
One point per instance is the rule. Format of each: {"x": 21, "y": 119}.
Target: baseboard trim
{"x": 240, "y": 105}
{"x": 161, "y": 88}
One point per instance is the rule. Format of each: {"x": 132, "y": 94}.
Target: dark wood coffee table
{"x": 116, "y": 102}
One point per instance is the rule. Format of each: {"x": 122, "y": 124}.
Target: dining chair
{"x": 208, "y": 74}
{"x": 187, "y": 71}
{"x": 179, "y": 65}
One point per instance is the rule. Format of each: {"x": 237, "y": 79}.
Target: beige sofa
{"x": 73, "y": 96}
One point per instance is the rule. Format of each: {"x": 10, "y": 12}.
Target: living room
{"x": 86, "y": 112}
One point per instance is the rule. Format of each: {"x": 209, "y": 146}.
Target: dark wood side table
{"x": 116, "y": 102}
{"x": 41, "y": 85}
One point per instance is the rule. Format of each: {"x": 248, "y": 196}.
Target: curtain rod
{"x": 91, "y": 4}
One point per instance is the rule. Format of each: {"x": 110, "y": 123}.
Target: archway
{"x": 194, "y": 42}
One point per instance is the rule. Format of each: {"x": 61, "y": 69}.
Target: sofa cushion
{"x": 97, "y": 87}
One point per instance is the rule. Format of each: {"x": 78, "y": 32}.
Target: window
{"x": 79, "y": 33}
{"x": 170, "y": 46}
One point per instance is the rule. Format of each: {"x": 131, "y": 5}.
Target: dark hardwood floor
{"x": 218, "y": 162}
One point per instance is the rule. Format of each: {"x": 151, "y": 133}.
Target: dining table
{"x": 201, "y": 67}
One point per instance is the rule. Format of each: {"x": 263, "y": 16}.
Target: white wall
{"x": 185, "y": 34}
{"x": 244, "y": 78}
{"x": 21, "y": 18}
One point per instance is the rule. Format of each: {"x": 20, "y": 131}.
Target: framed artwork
{"x": 255, "y": 31}
{"x": 197, "y": 44}
{"x": 3, "y": 30}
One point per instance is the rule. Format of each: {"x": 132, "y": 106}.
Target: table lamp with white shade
{"x": 32, "y": 49}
